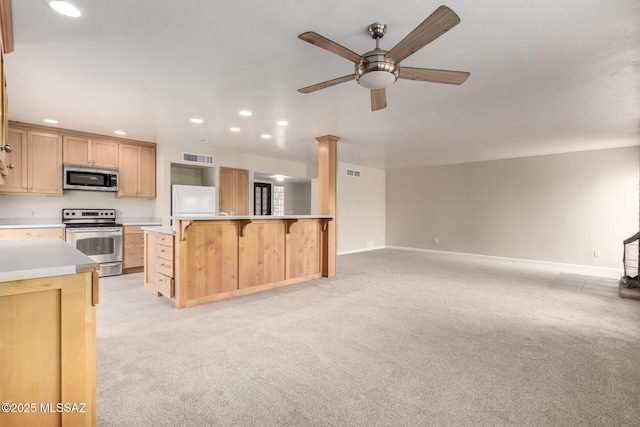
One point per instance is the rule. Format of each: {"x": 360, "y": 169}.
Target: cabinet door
{"x": 128, "y": 185}
{"x": 16, "y": 180}
{"x": 147, "y": 173}
{"x": 227, "y": 190}
{"x": 44, "y": 163}
{"x": 242, "y": 192}
{"x": 234, "y": 191}
{"x": 104, "y": 153}
{"x": 76, "y": 150}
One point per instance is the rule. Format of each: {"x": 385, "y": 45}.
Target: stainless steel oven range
{"x": 94, "y": 232}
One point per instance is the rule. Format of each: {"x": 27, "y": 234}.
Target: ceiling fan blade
{"x": 438, "y": 23}
{"x": 435, "y": 76}
{"x": 327, "y": 84}
{"x": 333, "y": 47}
{"x": 378, "y": 99}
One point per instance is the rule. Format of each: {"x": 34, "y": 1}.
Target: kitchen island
{"x": 48, "y": 292}
{"x": 217, "y": 257}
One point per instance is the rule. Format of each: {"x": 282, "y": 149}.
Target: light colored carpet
{"x": 397, "y": 338}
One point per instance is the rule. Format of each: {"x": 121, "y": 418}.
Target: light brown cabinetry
{"x": 137, "y": 165}
{"x": 133, "y": 251}
{"x": 159, "y": 268}
{"x": 48, "y": 341}
{"x": 32, "y": 233}
{"x": 234, "y": 191}
{"x": 79, "y": 150}
{"x": 35, "y": 163}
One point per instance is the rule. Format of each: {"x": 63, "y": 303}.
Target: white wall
{"x": 51, "y": 207}
{"x": 558, "y": 208}
{"x": 361, "y": 208}
{"x": 171, "y": 152}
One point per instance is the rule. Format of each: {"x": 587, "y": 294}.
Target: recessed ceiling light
{"x": 245, "y": 113}
{"x": 197, "y": 121}
{"x": 282, "y": 123}
{"x": 279, "y": 178}
{"x": 120, "y": 132}
{"x": 234, "y": 129}
{"x": 64, "y": 8}
{"x": 266, "y": 136}
{"x": 53, "y": 122}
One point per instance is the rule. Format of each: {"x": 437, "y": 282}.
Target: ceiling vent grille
{"x": 353, "y": 173}
{"x": 199, "y": 159}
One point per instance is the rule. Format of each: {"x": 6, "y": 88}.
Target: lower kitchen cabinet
{"x": 159, "y": 269}
{"x": 32, "y": 233}
{"x": 48, "y": 357}
{"x": 133, "y": 250}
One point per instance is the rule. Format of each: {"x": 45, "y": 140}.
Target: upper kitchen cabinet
{"x": 137, "y": 171}
{"x": 79, "y": 150}
{"x": 234, "y": 191}
{"x": 6, "y": 46}
{"x": 34, "y": 164}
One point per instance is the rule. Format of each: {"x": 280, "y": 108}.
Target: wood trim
{"x": 249, "y": 290}
{"x": 327, "y": 203}
{"x": 6, "y": 21}
{"x": 80, "y": 134}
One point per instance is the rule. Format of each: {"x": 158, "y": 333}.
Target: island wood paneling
{"x": 304, "y": 249}
{"x": 208, "y": 258}
{"x": 225, "y": 258}
{"x": 261, "y": 254}
{"x": 48, "y": 339}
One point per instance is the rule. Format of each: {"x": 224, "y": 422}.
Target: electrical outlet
{"x": 33, "y": 212}
{"x": 120, "y": 212}
{"x": 597, "y": 253}
{"x": 436, "y": 240}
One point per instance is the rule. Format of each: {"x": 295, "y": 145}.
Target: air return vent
{"x": 199, "y": 159}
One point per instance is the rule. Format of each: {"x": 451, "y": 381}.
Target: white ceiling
{"x": 547, "y": 76}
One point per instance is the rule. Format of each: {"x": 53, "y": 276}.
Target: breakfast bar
{"x": 209, "y": 258}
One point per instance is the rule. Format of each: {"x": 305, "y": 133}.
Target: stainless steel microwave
{"x": 88, "y": 178}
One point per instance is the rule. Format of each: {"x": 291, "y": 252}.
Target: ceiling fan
{"x": 379, "y": 69}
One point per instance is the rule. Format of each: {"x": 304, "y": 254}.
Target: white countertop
{"x": 245, "y": 217}
{"x": 161, "y": 230}
{"x": 31, "y": 225}
{"x": 35, "y": 258}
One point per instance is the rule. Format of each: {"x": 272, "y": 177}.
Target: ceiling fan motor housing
{"x": 376, "y": 70}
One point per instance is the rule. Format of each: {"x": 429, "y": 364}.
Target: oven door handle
{"x": 117, "y": 230}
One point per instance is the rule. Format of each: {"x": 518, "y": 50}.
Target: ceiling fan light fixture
{"x": 377, "y": 79}
{"x": 376, "y": 70}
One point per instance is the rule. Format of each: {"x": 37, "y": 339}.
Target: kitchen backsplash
{"x": 38, "y": 207}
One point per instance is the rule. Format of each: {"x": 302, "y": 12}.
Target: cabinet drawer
{"x": 164, "y": 285}
{"x": 164, "y": 252}
{"x": 132, "y": 229}
{"x": 134, "y": 243}
{"x": 165, "y": 239}
{"x": 32, "y": 233}
{"x": 164, "y": 266}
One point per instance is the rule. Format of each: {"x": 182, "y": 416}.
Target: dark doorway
{"x": 261, "y": 198}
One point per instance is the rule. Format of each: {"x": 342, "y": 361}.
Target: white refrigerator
{"x": 193, "y": 200}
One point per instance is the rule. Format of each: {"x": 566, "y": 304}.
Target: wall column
{"x": 327, "y": 188}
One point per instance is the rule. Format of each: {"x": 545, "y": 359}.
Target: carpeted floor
{"x": 396, "y": 339}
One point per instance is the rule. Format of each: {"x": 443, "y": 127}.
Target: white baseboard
{"x": 613, "y": 273}
{"x": 353, "y": 251}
